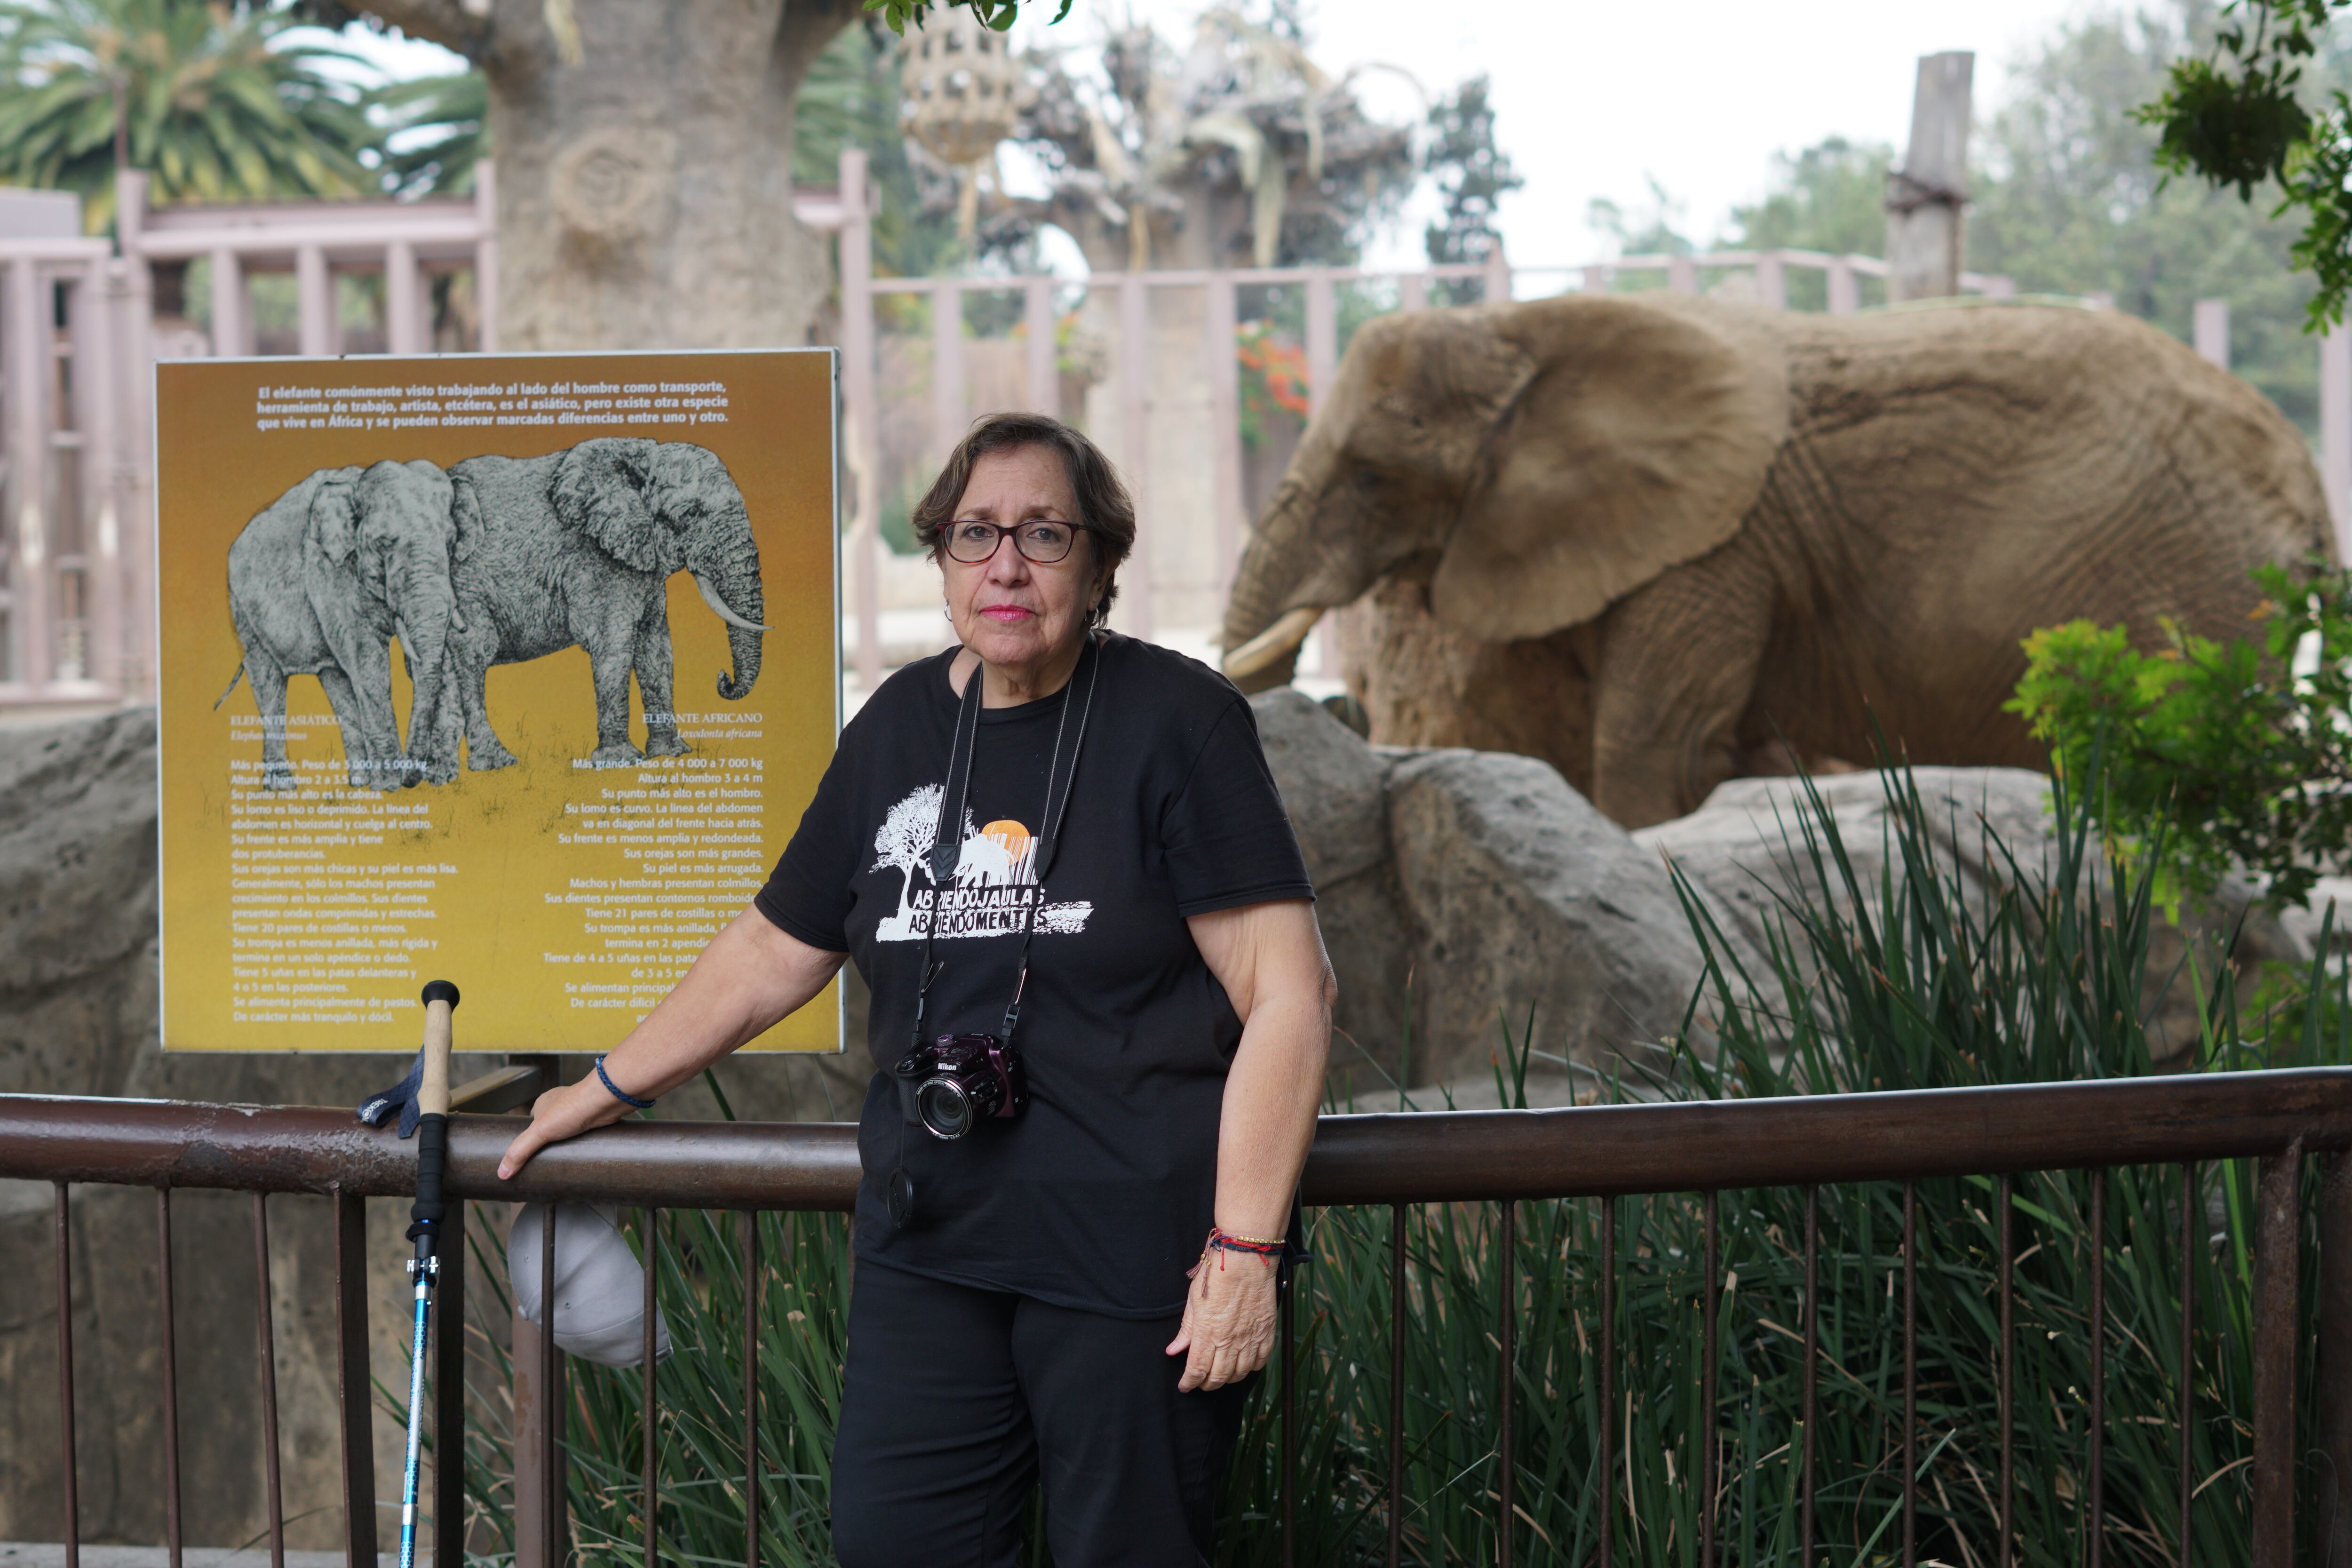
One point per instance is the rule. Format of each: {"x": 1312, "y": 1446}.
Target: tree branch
{"x": 444, "y": 22}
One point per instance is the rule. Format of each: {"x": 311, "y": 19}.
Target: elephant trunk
{"x": 730, "y": 583}
{"x": 1280, "y": 557}
{"x": 425, "y": 626}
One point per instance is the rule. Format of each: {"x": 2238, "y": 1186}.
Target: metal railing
{"x": 1604, "y": 1153}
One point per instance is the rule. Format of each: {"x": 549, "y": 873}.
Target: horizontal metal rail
{"x": 1600, "y": 1152}
{"x": 1414, "y": 1157}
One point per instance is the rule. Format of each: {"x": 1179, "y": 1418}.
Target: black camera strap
{"x": 947, "y": 833}
{"x": 947, "y": 849}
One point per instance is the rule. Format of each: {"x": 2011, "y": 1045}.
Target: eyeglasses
{"x": 1040, "y": 541}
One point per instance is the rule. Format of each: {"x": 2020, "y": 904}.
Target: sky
{"x": 1596, "y": 101}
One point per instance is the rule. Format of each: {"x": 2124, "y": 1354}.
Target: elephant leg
{"x": 1679, "y": 663}
{"x": 268, "y": 683}
{"x": 655, "y": 668}
{"x": 463, "y": 698}
{"x": 610, "y": 633}
{"x": 386, "y": 759}
{"x": 358, "y": 754}
{"x": 612, "y": 668}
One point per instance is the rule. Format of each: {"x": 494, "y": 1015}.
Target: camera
{"x": 958, "y": 1080}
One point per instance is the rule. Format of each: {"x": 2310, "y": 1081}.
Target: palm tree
{"x": 203, "y": 96}
{"x": 436, "y": 131}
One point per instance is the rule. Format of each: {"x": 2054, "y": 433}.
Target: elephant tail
{"x": 230, "y": 687}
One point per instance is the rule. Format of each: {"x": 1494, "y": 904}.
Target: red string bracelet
{"x": 1225, "y": 1241}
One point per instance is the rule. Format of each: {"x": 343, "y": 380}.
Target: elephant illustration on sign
{"x": 1648, "y": 538}
{"x": 320, "y": 583}
{"x": 576, "y": 550}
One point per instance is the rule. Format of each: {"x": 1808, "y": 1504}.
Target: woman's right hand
{"x": 565, "y": 1112}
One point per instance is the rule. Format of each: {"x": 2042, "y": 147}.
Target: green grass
{"x": 2037, "y": 978}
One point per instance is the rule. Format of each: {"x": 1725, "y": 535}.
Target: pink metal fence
{"x": 77, "y": 341}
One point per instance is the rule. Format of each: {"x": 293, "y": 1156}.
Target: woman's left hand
{"x": 1229, "y": 1318}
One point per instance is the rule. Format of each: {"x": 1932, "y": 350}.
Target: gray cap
{"x": 600, "y": 1291}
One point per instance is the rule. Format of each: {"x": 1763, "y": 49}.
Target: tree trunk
{"x": 644, "y": 190}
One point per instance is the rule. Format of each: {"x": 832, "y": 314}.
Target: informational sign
{"x": 512, "y": 670}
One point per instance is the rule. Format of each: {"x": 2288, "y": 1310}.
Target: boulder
{"x": 1531, "y": 909}
{"x": 1745, "y": 852}
{"x": 1458, "y": 889}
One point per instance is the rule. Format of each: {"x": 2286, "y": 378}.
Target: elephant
{"x": 577, "y": 547}
{"x": 1659, "y": 541}
{"x": 322, "y": 580}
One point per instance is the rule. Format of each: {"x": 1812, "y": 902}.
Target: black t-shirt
{"x": 1100, "y": 1195}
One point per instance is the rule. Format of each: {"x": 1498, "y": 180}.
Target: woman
{"x": 1069, "y": 840}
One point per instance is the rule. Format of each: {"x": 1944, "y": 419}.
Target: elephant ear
{"x": 334, "y": 516}
{"x": 1640, "y": 442}
{"x": 600, "y": 489}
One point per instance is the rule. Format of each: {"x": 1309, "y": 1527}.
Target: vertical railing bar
{"x": 2094, "y": 1500}
{"x": 1286, "y": 1325}
{"x": 1396, "y": 1385}
{"x": 1813, "y": 1360}
{"x": 1710, "y": 1295}
{"x": 2277, "y": 1266}
{"x": 273, "y": 1494}
{"x": 1608, "y": 1381}
{"x": 2188, "y": 1228}
{"x": 1506, "y": 1473}
{"x": 172, "y": 1537}
{"x": 2007, "y": 1354}
{"x": 449, "y": 1396}
{"x": 751, "y": 1383}
{"x": 352, "y": 1381}
{"x": 71, "y": 1463}
{"x": 1910, "y": 1374}
{"x": 645, "y": 1394}
{"x": 553, "y": 1466}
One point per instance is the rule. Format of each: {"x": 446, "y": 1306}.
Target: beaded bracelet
{"x": 1225, "y": 1241}
{"x": 623, "y": 1095}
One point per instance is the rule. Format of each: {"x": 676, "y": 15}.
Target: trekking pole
{"x": 424, "y": 1229}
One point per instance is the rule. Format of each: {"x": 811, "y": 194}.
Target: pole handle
{"x": 433, "y": 1092}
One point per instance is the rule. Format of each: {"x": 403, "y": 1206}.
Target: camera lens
{"x": 945, "y": 1108}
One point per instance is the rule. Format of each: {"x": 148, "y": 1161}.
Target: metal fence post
{"x": 2212, "y": 332}
{"x": 1135, "y": 436}
{"x": 314, "y": 293}
{"x": 1844, "y": 288}
{"x": 1224, "y": 372}
{"x": 93, "y": 322}
{"x": 405, "y": 328}
{"x": 354, "y": 1390}
{"x": 2332, "y": 1381}
{"x": 29, "y": 568}
{"x": 2278, "y": 1213}
{"x": 948, "y": 412}
{"x": 858, "y": 429}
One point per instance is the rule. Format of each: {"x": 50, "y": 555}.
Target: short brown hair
{"x": 1104, "y": 504}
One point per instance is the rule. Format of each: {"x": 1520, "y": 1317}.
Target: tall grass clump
{"x": 1908, "y": 978}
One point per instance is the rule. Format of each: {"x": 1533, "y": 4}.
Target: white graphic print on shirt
{"x": 994, "y": 883}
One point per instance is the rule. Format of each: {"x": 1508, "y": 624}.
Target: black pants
{"x": 957, "y": 1401}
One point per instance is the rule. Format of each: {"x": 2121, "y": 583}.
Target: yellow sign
{"x": 532, "y": 666}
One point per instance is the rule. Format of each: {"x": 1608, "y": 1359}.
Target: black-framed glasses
{"x": 1041, "y": 541}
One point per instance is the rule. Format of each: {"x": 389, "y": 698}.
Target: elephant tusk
{"x": 1272, "y": 643}
{"x": 719, "y": 605}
